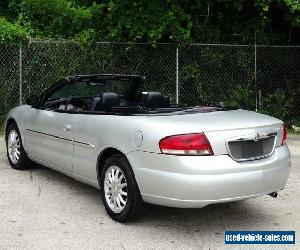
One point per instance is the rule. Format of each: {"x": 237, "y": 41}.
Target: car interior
{"x": 111, "y": 94}
{"x": 110, "y": 102}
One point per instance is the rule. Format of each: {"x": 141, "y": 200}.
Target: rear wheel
{"x": 120, "y": 193}
{"x": 16, "y": 155}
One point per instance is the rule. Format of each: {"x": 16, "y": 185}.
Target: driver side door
{"x": 48, "y": 136}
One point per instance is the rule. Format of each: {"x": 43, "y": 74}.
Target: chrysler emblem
{"x": 257, "y": 137}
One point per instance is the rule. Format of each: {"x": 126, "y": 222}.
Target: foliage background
{"x": 210, "y": 21}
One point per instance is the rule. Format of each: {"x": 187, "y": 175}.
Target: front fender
{"x": 17, "y": 114}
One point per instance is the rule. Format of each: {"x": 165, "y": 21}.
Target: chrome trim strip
{"x": 252, "y": 137}
{"x": 54, "y": 136}
{"x": 84, "y": 144}
{"x": 62, "y": 138}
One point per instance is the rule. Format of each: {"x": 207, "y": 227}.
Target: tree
{"x": 230, "y": 21}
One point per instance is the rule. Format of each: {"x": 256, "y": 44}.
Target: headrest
{"x": 95, "y": 102}
{"x": 109, "y": 100}
{"x": 155, "y": 100}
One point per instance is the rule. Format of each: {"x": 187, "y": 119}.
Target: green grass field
{"x": 1, "y": 125}
{"x": 291, "y": 131}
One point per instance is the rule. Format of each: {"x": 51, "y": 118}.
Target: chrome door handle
{"x": 67, "y": 127}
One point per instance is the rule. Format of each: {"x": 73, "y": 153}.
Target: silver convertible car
{"x": 104, "y": 130}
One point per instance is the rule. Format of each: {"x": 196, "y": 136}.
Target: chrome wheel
{"x": 14, "y": 146}
{"x": 115, "y": 189}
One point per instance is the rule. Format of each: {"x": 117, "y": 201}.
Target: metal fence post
{"x": 177, "y": 77}
{"x": 255, "y": 77}
{"x": 20, "y": 74}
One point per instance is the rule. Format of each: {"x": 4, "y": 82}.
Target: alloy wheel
{"x": 115, "y": 189}
{"x": 14, "y": 146}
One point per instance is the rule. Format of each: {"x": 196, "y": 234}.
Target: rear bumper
{"x": 195, "y": 181}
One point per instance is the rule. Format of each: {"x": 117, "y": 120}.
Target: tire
{"x": 111, "y": 191}
{"x": 20, "y": 162}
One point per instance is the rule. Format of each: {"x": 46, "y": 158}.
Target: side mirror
{"x": 33, "y": 100}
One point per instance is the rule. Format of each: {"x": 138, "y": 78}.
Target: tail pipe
{"x": 273, "y": 194}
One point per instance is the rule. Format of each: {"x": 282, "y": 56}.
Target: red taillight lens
{"x": 187, "y": 144}
{"x": 284, "y": 135}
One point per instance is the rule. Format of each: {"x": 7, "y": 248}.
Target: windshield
{"x": 92, "y": 88}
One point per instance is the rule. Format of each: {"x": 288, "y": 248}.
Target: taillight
{"x": 284, "y": 135}
{"x": 186, "y": 144}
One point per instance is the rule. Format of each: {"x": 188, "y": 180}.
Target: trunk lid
{"x": 223, "y": 127}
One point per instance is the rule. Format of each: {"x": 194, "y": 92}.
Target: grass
{"x": 1, "y": 125}
{"x": 291, "y": 131}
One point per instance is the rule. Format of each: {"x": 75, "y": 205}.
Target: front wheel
{"x": 120, "y": 193}
{"x": 16, "y": 154}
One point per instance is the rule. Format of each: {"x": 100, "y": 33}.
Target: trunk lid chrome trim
{"x": 255, "y": 138}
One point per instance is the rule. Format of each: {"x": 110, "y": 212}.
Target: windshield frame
{"x": 134, "y": 92}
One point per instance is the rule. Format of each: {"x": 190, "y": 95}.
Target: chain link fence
{"x": 9, "y": 77}
{"x": 278, "y": 79}
{"x": 263, "y": 78}
{"x": 212, "y": 74}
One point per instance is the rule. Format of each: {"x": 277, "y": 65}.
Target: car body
{"x": 243, "y": 153}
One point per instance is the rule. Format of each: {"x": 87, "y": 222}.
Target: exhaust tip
{"x": 273, "y": 194}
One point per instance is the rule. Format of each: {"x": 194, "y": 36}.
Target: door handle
{"x": 67, "y": 127}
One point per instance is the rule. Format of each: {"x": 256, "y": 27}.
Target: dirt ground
{"x": 43, "y": 209}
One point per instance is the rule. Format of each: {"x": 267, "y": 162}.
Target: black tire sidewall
{"x": 23, "y": 160}
{"x": 132, "y": 189}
